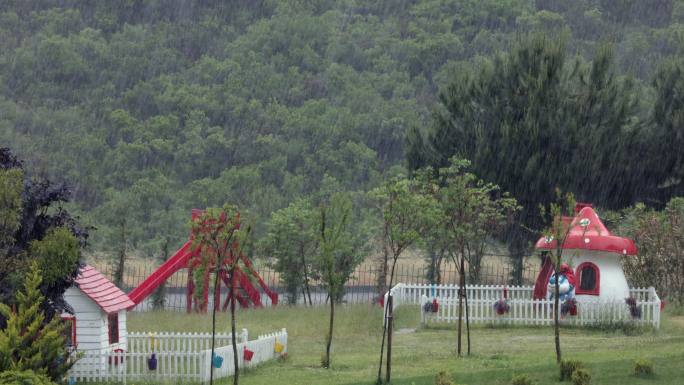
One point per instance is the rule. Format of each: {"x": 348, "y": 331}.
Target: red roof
{"x": 101, "y": 290}
{"x": 592, "y": 236}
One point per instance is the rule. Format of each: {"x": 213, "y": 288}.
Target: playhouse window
{"x": 113, "y": 320}
{"x": 589, "y": 279}
{"x": 69, "y": 330}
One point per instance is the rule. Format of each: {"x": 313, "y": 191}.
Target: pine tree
{"x": 27, "y": 342}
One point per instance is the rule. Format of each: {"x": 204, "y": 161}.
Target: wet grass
{"x": 498, "y": 353}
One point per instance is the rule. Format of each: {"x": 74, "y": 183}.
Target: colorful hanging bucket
{"x": 152, "y": 362}
{"x": 248, "y": 354}
{"x": 217, "y": 361}
{"x": 278, "y": 347}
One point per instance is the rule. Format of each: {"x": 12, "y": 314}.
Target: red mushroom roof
{"x": 595, "y": 236}
{"x": 101, "y": 290}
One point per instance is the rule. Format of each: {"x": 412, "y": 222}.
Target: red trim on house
{"x": 73, "y": 328}
{"x": 578, "y": 272}
{"x": 113, "y": 339}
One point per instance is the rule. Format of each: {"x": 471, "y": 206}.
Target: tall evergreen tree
{"x": 533, "y": 119}
{"x": 29, "y": 341}
{"x": 667, "y": 156}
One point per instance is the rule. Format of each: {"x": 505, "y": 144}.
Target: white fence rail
{"x": 540, "y": 312}
{"x": 179, "y": 359}
{"x": 144, "y": 342}
{"x": 523, "y": 309}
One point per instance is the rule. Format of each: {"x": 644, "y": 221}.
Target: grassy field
{"x": 497, "y": 353}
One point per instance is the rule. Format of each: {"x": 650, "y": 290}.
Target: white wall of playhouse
{"x": 93, "y": 328}
{"x": 599, "y": 275}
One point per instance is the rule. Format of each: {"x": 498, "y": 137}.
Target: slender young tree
{"x": 292, "y": 238}
{"x": 218, "y": 236}
{"x": 557, "y": 231}
{"x": 471, "y": 210}
{"x": 339, "y": 253}
{"x": 407, "y": 216}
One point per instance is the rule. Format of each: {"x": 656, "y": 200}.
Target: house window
{"x": 113, "y": 320}
{"x": 69, "y": 331}
{"x": 589, "y": 279}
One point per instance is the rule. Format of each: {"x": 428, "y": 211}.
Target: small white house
{"x": 594, "y": 255}
{"x": 99, "y": 319}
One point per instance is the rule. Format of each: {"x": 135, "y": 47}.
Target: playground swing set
{"x": 186, "y": 257}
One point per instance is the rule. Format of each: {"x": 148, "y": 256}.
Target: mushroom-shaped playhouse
{"x": 592, "y": 285}
{"x": 592, "y": 260}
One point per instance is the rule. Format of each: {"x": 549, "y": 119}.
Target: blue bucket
{"x": 217, "y": 361}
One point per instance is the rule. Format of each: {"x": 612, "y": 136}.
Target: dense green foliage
{"x": 24, "y": 377}
{"x": 28, "y": 341}
{"x": 293, "y": 240}
{"x": 35, "y": 227}
{"x": 659, "y": 237}
{"x": 149, "y": 108}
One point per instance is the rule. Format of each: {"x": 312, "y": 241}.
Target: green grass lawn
{"x": 497, "y": 352}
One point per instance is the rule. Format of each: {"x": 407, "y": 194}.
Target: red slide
{"x": 247, "y": 286}
{"x": 542, "y": 283}
{"x": 270, "y": 293}
{"x": 177, "y": 261}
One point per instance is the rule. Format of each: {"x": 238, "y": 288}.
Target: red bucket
{"x": 248, "y": 354}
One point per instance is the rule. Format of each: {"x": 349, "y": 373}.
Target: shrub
{"x": 443, "y": 378}
{"x": 581, "y": 377}
{"x": 25, "y": 377}
{"x": 522, "y": 379}
{"x": 567, "y": 367}
{"x": 643, "y": 367}
{"x": 28, "y": 342}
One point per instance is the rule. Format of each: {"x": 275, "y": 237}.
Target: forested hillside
{"x": 148, "y": 108}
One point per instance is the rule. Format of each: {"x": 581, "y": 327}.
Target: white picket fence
{"x": 172, "y": 342}
{"x": 263, "y": 348}
{"x": 179, "y": 358}
{"x": 523, "y": 309}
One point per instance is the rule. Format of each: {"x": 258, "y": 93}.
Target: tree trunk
{"x": 460, "y": 306}
{"x": 386, "y": 312}
{"x": 438, "y": 266}
{"x": 556, "y": 323}
{"x": 213, "y": 322}
{"x": 382, "y": 276}
{"x": 467, "y": 315}
{"x": 327, "y": 363}
{"x": 382, "y": 344}
{"x": 233, "y": 289}
{"x": 388, "y": 371}
{"x": 306, "y": 276}
{"x": 517, "y": 248}
{"x": 121, "y": 260}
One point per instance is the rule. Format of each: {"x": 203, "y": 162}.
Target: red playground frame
{"x": 245, "y": 292}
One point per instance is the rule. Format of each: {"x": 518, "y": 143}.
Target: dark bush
{"x": 443, "y": 378}
{"x": 522, "y": 379}
{"x": 581, "y": 377}
{"x": 567, "y": 367}
{"x": 643, "y": 367}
